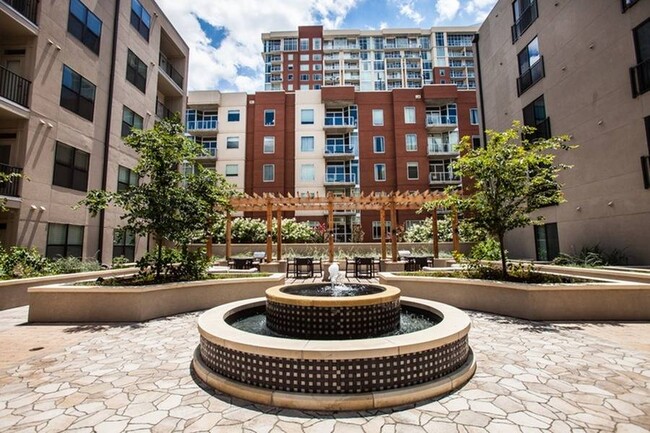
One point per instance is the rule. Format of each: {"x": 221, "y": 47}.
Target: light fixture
{"x": 610, "y": 204}
{"x": 58, "y": 47}
{"x": 600, "y": 122}
{"x": 49, "y": 125}
{"x": 578, "y": 208}
{"x": 42, "y": 122}
{"x": 33, "y": 207}
{"x": 42, "y": 208}
{"x": 50, "y": 42}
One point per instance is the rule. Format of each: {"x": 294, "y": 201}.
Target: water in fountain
{"x": 335, "y": 274}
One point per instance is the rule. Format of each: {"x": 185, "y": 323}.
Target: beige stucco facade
{"x": 587, "y": 48}
{"x": 32, "y": 127}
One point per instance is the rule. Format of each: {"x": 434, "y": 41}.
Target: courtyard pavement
{"x": 531, "y": 377}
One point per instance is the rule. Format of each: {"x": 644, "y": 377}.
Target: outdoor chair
{"x": 304, "y": 267}
{"x": 259, "y": 256}
{"x": 414, "y": 264}
{"x": 349, "y": 267}
{"x": 242, "y": 263}
{"x": 364, "y": 267}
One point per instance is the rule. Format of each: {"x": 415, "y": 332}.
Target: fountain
{"x": 323, "y": 347}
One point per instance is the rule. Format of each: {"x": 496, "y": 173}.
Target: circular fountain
{"x": 332, "y": 347}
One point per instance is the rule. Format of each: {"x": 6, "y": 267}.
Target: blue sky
{"x": 224, "y": 35}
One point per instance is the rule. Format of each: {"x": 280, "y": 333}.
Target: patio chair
{"x": 242, "y": 263}
{"x": 364, "y": 267}
{"x": 318, "y": 267}
{"x": 414, "y": 264}
{"x": 349, "y": 267}
{"x": 304, "y": 267}
{"x": 259, "y": 256}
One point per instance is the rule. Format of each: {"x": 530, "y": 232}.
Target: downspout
{"x": 480, "y": 87}
{"x": 107, "y": 133}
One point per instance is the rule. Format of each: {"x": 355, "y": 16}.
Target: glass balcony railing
{"x": 338, "y": 149}
{"x": 209, "y": 150}
{"x": 162, "y": 111}
{"x": 341, "y": 121}
{"x": 531, "y": 76}
{"x": 10, "y": 188}
{"x": 14, "y": 87}
{"x": 340, "y": 178}
{"x": 435, "y": 148}
{"x": 440, "y": 120}
{"x": 443, "y": 177}
{"x": 171, "y": 72}
{"x": 202, "y": 125}
{"x": 26, "y": 8}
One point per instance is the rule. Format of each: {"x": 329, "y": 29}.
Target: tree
{"x": 7, "y": 178}
{"x": 510, "y": 178}
{"x": 171, "y": 204}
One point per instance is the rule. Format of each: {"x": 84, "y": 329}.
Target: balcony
{"x": 443, "y": 177}
{"x": 527, "y": 17}
{"x": 171, "y": 72}
{"x": 531, "y": 76}
{"x": 340, "y": 179}
{"x": 209, "y": 152}
{"x": 640, "y": 78}
{"x": 10, "y": 189}
{"x": 542, "y": 130}
{"x": 436, "y": 122}
{"x": 14, "y": 88}
{"x": 339, "y": 152}
{"x": 26, "y": 8}
{"x": 436, "y": 150}
{"x": 162, "y": 111}
{"x": 197, "y": 127}
{"x": 340, "y": 124}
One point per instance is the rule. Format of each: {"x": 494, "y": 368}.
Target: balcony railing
{"x": 162, "y": 111}
{"x": 527, "y": 17}
{"x": 341, "y": 121}
{"x": 640, "y": 78}
{"x": 26, "y": 8}
{"x": 10, "y": 188}
{"x": 542, "y": 130}
{"x": 170, "y": 70}
{"x": 439, "y": 120}
{"x": 14, "y": 87}
{"x": 531, "y": 76}
{"x": 435, "y": 148}
{"x": 202, "y": 125}
{"x": 209, "y": 151}
{"x": 340, "y": 178}
{"x": 338, "y": 149}
{"x": 443, "y": 176}
{"x": 645, "y": 167}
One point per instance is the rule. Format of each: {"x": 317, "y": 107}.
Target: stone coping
{"x": 325, "y": 402}
{"x": 212, "y": 326}
{"x": 598, "y": 299}
{"x": 276, "y": 294}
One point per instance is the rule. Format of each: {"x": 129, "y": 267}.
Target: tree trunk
{"x": 504, "y": 268}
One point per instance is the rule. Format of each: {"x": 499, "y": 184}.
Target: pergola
{"x": 380, "y": 202}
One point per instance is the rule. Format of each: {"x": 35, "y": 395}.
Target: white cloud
{"x": 383, "y": 25}
{"x": 447, "y": 9}
{"x": 406, "y": 9}
{"x": 244, "y": 21}
{"x": 479, "y": 9}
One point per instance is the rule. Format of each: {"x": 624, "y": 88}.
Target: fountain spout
{"x": 334, "y": 273}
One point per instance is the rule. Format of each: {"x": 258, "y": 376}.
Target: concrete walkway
{"x": 531, "y": 377}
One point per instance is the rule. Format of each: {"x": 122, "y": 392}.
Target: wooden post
{"x": 393, "y": 229}
{"x": 228, "y": 235}
{"x": 208, "y": 248}
{"x": 454, "y": 230}
{"x": 278, "y": 216}
{"x": 269, "y": 230}
{"x": 330, "y": 225}
{"x": 434, "y": 231}
{"x": 382, "y": 225}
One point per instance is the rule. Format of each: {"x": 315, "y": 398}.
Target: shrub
{"x": 20, "y": 262}
{"x": 119, "y": 262}
{"x": 422, "y": 232}
{"x": 487, "y": 249}
{"x": 176, "y": 265}
{"x": 592, "y": 256}
{"x": 71, "y": 265}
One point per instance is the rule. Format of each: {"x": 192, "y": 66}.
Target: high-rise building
{"x": 75, "y": 76}
{"x": 369, "y": 59}
{"x": 582, "y": 68}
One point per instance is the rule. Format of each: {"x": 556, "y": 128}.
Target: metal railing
{"x": 10, "y": 188}
{"x": 27, "y": 8}
{"x": 435, "y": 148}
{"x": 640, "y": 78}
{"x": 162, "y": 111}
{"x": 14, "y": 87}
{"x": 200, "y": 125}
{"x": 526, "y": 18}
{"x": 340, "y": 178}
{"x": 339, "y": 149}
{"x": 531, "y": 76}
{"x": 341, "y": 121}
{"x": 171, "y": 72}
{"x": 440, "y": 120}
{"x": 443, "y": 176}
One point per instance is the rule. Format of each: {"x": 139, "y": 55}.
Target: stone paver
{"x": 531, "y": 377}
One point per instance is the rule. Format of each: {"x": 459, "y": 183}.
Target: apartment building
{"x": 75, "y": 76}
{"x": 579, "y": 67}
{"x": 368, "y": 60}
{"x": 336, "y": 139}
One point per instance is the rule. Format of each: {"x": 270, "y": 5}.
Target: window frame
{"x": 68, "y": 174}
{"x": 233, "y": 116}
{"x": 126, "y": 126}
{"x": 374, "y": 111}
{"x": 302, "y": 143}
{"x": 268, "y": 140}
{"x": 304, "y": 111}
{"x": 138, "y": 22}
{"x": 132, "y": 176}
{"x": 71, "y": 98}
{"x": 375, "y": 142}
{"x": 269, "y": 121}
{"x": 67, "y": 245}
{"x": 231, "y": 174}
{"x": 408, "y": 118}
{"x": 473, "y": 114}
{"x": 79, "y": 28}
{"x": 414, "y": 141}
{"x": 376, "y": 173}
{"x": 231, "y": 141}
{"x": 264, "y": 172}
{"x": 409, "y": 166}
{"x": 136, "y": 74}
{"x": 376, "y": 229}
{"x": 121, "y": 245}
{"x": 312, "y": 178}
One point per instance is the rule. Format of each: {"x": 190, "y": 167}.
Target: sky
{"x": 224, "y": 36}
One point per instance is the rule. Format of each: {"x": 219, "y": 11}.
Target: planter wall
{"x": 67, "y": 303}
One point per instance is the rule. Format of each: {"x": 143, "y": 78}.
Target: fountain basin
{"x": 335, "y": 374}
{"x": 305, "y": 311}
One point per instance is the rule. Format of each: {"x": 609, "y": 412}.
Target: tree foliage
{"x": 511, "y": 178}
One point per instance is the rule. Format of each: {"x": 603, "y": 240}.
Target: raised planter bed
{"x": 595, "y": 300}
{"x": 83, "y": 303}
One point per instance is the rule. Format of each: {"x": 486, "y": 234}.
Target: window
{"x": 136, "y": 71}
{"x": 84, "y": 25}
{"x": 307, "y": 116}
{"x": 124, "y": 244}
{"x": 289, "y": 77}
{"x": 317, "y": 57}
{"x": 290, "y": 87}
{"x": 70, "y": 167}
{"x": 304, "y": 67}
{"x": 376, "y": 229}
{"x": 535, "y": 116}
{"x": 442, "y": 72}
{"x": 412, "y": 171}
{"x": 77, "y": 94}
{"x": 473, "y": 116}
{"x": 476, "y": 142}
{"x": 140, "y": 19}
{"x": 304, "y": 77}
{"x": 547, "y": 245}
{"x": 126, "y": 178}
{"x": 316, "y": 77}
{"x": 269, "y": 144}
{"x": 409, "y": 114}
{"x": 411, "y": 142}
{"x": 130, "y": 120}
{"x": 628, "y": 4}
{"x": 640, "y": 74}
{"x": 64, "y": 240}
{"x": 268, "y": 172}
{"x": 304, "y": 58}
{"x": 269, "y": 117}
{"x": 304, "y": 44}
{"x": 316, "y": 44}
{"x": 232, "y": 170}
{"x": 379, "y": 145}
{"x": 307, "y": 172}
{"x": 524, "y": 13}
{"x": 304, "y": 86}
{"x": 290, "y": 67}
{"x": 380, "y": 172}
{"x": 232, "y": 143}
{"x": 377, "y": 117}
{"x": 233, "y": 115}
{"x": 531, "y": 66}
{"x": 289, "y": 56}
{"x": 307, "y": 144}
{"x": 317, "y": 67}
{"x": 290, "y": 44}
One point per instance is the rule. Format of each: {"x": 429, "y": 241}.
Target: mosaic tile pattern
{"x": 532, "y": 377}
